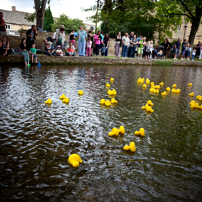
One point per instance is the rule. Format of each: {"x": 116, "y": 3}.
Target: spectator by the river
{"x": 31, "y": 36}
{"x": 23, "y": 51}
{"x": 72, "y": 38}
{"x": 125, "y": 44}
{"x": 91, "y": 35}
{"x": 2, "y": 25}
{"x": 97, "y": 39}
{"x": 82, "y": 36}
{"x": 177, "y": 49}
{"x": 118, "y": 44}
{"x": 6, "y": 50}
{"x": 166, "y": 45}
{"x": 133, "y": 45}
{"x": 60, "y": 37}
{"x": 106, "y": 43}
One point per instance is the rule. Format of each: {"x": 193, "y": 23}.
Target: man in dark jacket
{"x": 31, "y": 36}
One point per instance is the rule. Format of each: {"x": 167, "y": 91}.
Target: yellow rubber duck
{"x": 66, "y": 100}
{"x": 157, "y": 86}
{"x": 107, "y": 103}
{"x": 80, "y": 92}
{"x": 74, "y": 160}
{"x": 49, "y": 101}
{"x": 144, "y": 86}
{"x": 111, "y": 92}
{"x": 156, "y": 91}
{"x": 140, "y": 132}
{"x": 164, "y": 93}
{"x": 149, "y": 109}
{"x": 177, "y": 91}
{"x": 174, "y": 86}
{"x": 168, "y": 89}
{"x": 115, "y": 131}
{"x": 108, "y": 85}
{"x": 62, "y": 97}
{"x": 195, "y": 105}
{"x": 147, "y": 81}
{"x": 122, "y": 130}
{"x": 149, "y": 102}
{"x": 189, "y": 84}
{"x": 152, "y": 84}
{"x": 131, "y": 147}
{"x": 199, "y": 97}
{"x": 112, "y": 80}
{"x": 161, "y": 84}
{"x": 191, "y": 94}
{"x": 102, "y": 101}
{"x": 151, "y": 90}
{"x": 113, "y": 101}
{"x": 140, "y": 80}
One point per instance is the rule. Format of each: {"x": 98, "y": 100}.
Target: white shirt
{"x": 126, "y": 41}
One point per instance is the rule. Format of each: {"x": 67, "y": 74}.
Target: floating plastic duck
{"x": 140, "y": 132}
{"x": 151, "y": 90}
{"x": 80, "y": 92}
{"x": 152, "y": 84}
{"x": 113, "y": 101}
{"x": 189, "y": 84}
{"x": 199, "y": 97}
{"x": 112, "y": 80}
{"x": 149, "y": 102}
{"x": 102, "y": 101}
{"x": 107, "y": 103}
{"x": 140, "y": 80}
{"x": 111, "y": 92}
{"x": 148, "y": 108}
{"x": 49, "y": 101}
{"x": 74, "y": 160}
{"x": 174, "y": 86}
{"x": 156, "y": 91}
{"x": 195, "y": 105}
{"x": 157, "y": 86}
{"x": 161, "y": 84}
{"x": 177, "y": 91}
{"x": 191, "y": 94}
{"x": 144, "y": 86}
{"x": 168, "y": 89}
{"x": 147, "y": 81}
{"x": 108, "y": 85}
{"x": 66, "y": 100}
{"x": 62, "y": 97}
{"x": 130, "y": 147}
{"x": 164, "y": 93}
{"x": 116, "y": 131}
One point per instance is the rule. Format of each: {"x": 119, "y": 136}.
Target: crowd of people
{"x": 96, "y": 43}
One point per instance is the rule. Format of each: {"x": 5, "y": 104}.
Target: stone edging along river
{"x": 16, "y": 59}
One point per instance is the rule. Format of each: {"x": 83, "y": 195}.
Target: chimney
{"x": 13, "y": 8}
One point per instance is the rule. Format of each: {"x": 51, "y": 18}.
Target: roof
{"x": 16, "y": 17}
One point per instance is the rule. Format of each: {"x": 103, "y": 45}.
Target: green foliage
{"x": 30, "y": 17}
{"x": 48, "y": 20}
{"x": 163, "y": 63}
{"x": 68, "y": 23}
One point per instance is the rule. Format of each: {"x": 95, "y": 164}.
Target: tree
{"x": 191, "y": 10}
{"x": 68, "y": 23}
{"x": 48, "y": 20}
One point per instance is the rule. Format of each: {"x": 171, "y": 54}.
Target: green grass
{"x": 163, "y": 62}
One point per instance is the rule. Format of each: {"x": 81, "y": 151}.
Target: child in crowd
{"x": 103, "y": 49}
{"x": 71, "y": 49}
{"x": 59, "y": 51}
{"x": 33, "y": 52}
{"x": 147, "y": 50}
{"x": 88, "y": 47}
{"x": 193, "y": 54}
{"x": 49, "y": 50}
{"x": 160, "y": 54}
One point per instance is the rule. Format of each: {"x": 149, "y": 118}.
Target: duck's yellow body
{"x": 80, "y": 92}
{"x": 74, "y": 160}
{"x": 130, "y": 147}
{"x": 108, "y": 85}
{"x": 49, "y": 101}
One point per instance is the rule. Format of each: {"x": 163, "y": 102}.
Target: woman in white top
{"x": 126, "y": 43}
{"x": 151, "y": 47}
{"x": 118, "y": 44}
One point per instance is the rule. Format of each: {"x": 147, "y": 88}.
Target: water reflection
{"x": 36, "y": 140}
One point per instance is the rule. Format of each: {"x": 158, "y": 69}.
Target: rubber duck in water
{"x": 49, "y": 101}
{"x": 130, "y": 147}
{"x": 161, "y": 84}
{"x": 149, "y": 102}
{"x": 199, "y": 97}
{"x": 108, "y": 85}
{"x": 107, "y": 103}
{"x": 140, "y": 80}
{"x": 157, "y": 86}
{"x": 164, "y": 93}
{"x": 144, "y": 86}
{"x": 151, "y": 90}
{"x": 74, "y": 160}
{"x": 112, "y": 80}
{"x": 152, "y": 84}
{"x": 102, "y": 101}
{"x": 177, "y": 91}
{"x": 174, "y": 86}
{"x": 80, "y": 92}
{"x": 66, "y": 100}
{"x": 191, "y": 94}
{"x": 140, "y": 132}
{"x": 115, "y": 131}
{"x": 189, "y": 84}
{"x": 156, "y": 91}
{"x": 111, "y": 92}
{"x": 147, "y": 81}
{"x": 62, "y": 97}
{"x": 195, "y": 105}
{"x": 113, "y": 101}
{"x": 122, "y": 130}
{"x": 168, "y": 89}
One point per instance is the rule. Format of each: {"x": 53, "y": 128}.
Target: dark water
{"x": 36, "y": 140}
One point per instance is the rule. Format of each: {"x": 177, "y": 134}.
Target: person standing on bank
{"x": 97, "y": 40}
{"x": 23, "y": 51}
{"x": 91, "y": 35}
{"x": 60, "y": 37}
{"x": 118, "y": 44}
{"x": 106, "y": 43}
{"x": 2, "y": 25}
{"x": 31, "y": 36}
{"x": 82, "y": 36}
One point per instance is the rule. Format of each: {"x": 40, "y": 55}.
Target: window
{"x": 8, "y": 27}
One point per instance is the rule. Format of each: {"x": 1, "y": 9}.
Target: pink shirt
{"x": 97, "y": 39}
{"x": 88, "y": 44}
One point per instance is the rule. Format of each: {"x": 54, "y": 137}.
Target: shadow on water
{"x": 36, "y": 140}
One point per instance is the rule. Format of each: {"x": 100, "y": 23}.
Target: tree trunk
{"x": 195, "y": 25}
{"x": 40, "y": 11}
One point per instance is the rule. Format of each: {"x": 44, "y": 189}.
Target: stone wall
{"x": 11, "y": 59}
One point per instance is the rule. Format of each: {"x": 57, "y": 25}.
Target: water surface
{"x": 36, "y": 140}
